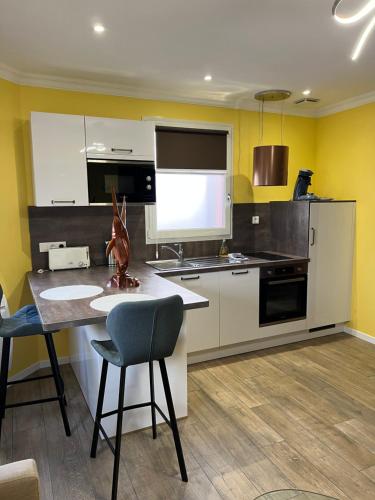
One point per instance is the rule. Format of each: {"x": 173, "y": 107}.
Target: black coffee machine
{"x": 302, "y": 185}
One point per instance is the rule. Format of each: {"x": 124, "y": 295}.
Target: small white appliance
{"x": 68, "y": 258}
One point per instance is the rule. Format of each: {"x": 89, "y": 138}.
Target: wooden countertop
{"x": 56, "y": 315}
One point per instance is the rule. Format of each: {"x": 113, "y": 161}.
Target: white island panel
{"x": 87, "y": 365}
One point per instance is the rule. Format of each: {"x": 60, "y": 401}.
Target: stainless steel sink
{"x": 209, "y": 261}
{"x": 169, "y": 265}
{"x": 195, "y": 263}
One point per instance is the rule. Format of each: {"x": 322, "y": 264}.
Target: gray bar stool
{"x": 141, "y": 332}
{"x": 24, "y": 323}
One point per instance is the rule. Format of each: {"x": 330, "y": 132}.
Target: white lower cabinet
{"x": 202, "y": 324}
{"x": 239, "y": 306}
{"x": 233, "y": 312}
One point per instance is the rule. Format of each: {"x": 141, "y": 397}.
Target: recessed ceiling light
{"x": 99, "y": 28}
{"x": 306, "y": 92}
{"x": 208, "y": 78}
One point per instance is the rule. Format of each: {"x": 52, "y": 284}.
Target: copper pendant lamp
{"x": 270, "y": 163}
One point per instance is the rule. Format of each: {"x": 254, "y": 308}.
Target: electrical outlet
{"x": 44, "y": 247}
{"x": 255, "y": 219}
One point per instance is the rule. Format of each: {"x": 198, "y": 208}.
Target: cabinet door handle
{"x": 56, "y": 202}
{"x": 189, "y": 278}
{"x": 121, "y": 150}
{"x": 312, "y": 236}
{"x": 236, "y": 273}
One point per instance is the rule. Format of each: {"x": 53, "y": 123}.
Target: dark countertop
{"x": 56, "y": 315}
{"x": 69, "y": 313}
{"x": 252, "y": 262}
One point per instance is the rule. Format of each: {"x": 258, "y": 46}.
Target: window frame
{"x": 152, "y": 235}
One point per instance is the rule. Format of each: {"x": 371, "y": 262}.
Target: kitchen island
{"x": 86, "y": 323}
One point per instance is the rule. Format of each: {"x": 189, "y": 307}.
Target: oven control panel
{"x": 283, "y": 270}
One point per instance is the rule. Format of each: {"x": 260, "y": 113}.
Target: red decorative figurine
{"x": 120, "y": 246}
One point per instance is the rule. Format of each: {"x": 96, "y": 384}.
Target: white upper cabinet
{"x": 239, "y": 306}
{"x": 330, "y": 268}
{"x": 59, "y": 159}
{"x": 108, "y": 137}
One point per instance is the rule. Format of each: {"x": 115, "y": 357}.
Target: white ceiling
{"x": 165, "y": 47}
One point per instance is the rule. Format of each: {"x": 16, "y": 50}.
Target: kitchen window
{"x": 193, "y": 183}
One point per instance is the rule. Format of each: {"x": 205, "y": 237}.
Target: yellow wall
{"x": 16, "y": 174}
{"x": 346, "y": 170}
{"x": 14, "y": 231}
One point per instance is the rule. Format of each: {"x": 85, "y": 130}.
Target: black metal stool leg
{"x": 152, "y": 392}
{"x": 4, "y": 378}
{"x": 172, "y": 417}
{"x": 99, "y": 408}
{"x": 57, "y": 378}
{"x": 62, "y": 386}
{"x": 118, "y": 433}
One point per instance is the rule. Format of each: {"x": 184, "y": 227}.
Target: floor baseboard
{"x": 63, "y": 360}
{"x": 360, "y": 335}
{"x": 260, "y": 344}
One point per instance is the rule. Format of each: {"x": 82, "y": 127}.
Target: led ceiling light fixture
{"x": 360, "y": 14}
{"x": 355, "y": 17}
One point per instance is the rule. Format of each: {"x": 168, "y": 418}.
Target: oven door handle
{"x": 291, "y": 280}
{"x": 122, "y": 150}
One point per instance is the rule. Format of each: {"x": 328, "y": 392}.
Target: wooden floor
{"x": 297, "y": 416}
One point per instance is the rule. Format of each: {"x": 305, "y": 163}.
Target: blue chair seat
{"x": 107, "y": 349}
{"x": 24, "y": 323}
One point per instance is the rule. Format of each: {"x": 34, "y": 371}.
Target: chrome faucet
{"x": 179, "y": 253}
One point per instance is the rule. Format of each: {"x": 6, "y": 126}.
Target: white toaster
{"x": 68, "y": 258}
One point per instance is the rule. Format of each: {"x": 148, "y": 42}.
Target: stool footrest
{"x": 126, "y": 408}
{"x": 31, "y": 379}
{"x": 133, "y": 407}
{"x": 34, "y": 402}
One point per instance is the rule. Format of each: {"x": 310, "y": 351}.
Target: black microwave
{"x": 133, "y": 179}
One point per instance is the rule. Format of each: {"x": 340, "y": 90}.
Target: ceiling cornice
{"x": 82, "y": 85}
{"x": 90, "y": 86}
{"x": 353, "y": 102}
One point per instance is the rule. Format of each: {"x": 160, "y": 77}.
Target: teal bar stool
{"x": 141, "y": 332}
{"x": 24, "y": 323}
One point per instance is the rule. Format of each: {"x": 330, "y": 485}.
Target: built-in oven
{"x": 133, "y": 179}
{"x": 283, "y": 293}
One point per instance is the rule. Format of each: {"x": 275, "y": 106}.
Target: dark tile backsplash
{"x": 92, "y": 226}
{"x": 84, "y": 226}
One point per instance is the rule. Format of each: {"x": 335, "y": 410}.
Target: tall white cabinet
{"x": 59, "y": 159}
{"x": 331, "y": 241}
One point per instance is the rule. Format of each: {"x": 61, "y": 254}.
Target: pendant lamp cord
{"x": 261, "y": 118}
{"x": 282, "y": 123}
